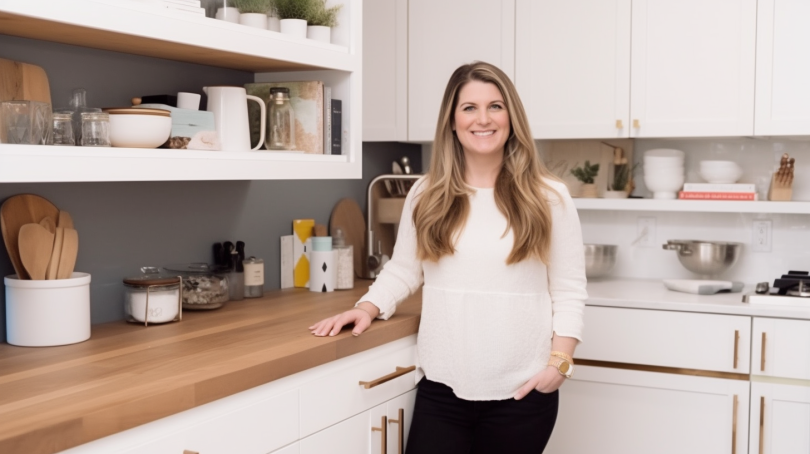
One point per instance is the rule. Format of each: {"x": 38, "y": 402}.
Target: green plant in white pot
{"x": 321, "y": 20}
{"x": 253, "y": 13}
{"x": 293, "y": 16}
{"x": 621, "y": 186}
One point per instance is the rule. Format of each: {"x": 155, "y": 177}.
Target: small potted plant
{"x": 253, "y": 13}
{"x": 586, "y": 175}
{"x": 293, "y": 15}
{"x": 273, "y": 22}
{"x": 619, "y": 188}
{"x": 321, "y": 20}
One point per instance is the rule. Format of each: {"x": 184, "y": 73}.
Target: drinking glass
{"x": 95, "y": 129}
{"x": 26, "y": 122}
{"x": 63, "y": 129}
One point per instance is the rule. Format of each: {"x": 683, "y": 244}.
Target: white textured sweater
{"x": 486, "y": 326}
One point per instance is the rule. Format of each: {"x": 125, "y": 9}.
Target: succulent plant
{"x": 586, "y": 173}
{"x": 321, "y": 15}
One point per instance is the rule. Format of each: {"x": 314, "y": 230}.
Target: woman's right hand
{"x": 361, "y": 316}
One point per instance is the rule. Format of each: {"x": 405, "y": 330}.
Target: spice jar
{"x": 254, "y": 277}
{"x": 152, "y": 297}
{"x": 280, "y": 120}
{"x": 204, "y": 287}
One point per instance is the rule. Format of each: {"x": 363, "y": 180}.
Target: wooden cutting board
{"x": 17, "y": 211}
{"x": 349, "y": 217}
{"x": 23, "y": 81}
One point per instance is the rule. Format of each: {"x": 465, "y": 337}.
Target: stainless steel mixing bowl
{"x": 599, "y": 259}
{"x": 707, "y": 258}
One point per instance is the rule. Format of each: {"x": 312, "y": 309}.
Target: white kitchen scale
{"x": 703, "y": 287}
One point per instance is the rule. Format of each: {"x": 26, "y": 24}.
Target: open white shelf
{"x": 706, "y": 206}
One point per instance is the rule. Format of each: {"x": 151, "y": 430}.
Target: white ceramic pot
{"x": 294, "y": 27}
{"x": 228, "y": 14}
{"x": 47, "y": 313}
{"x": 588, "y": 190}
{"x": 255, "y": 20}
{"x": 319, "y": 33}
{"x": 274, "y": 24}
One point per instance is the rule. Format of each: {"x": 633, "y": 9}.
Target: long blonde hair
{"x": 520, "y": 190}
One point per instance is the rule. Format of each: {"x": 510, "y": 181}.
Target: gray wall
{"x": 123, "y": 226}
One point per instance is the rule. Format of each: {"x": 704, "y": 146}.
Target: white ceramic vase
{"x": 294, "y": 27}
{"x": 255, "y": 20}
{"x": 273, "y": 24}
{"x": 319, "y": 33}
{"x": 229, "y": 14}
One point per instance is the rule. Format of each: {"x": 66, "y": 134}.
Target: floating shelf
{"x": 703, "y": 206}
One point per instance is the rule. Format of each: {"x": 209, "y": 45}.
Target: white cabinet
{"x": 291, "y": 449}
{"x": 443, "y": 35}
{"x": 781, "y": 348}
{"x": 385, "y": 70}
{"x": 400, "y": 414}
{"x": 347, "y": 437}
{"x": 693, "y": 68}
{"x": 782, "y": 91}
{"x": 572, "y": 67}
{"x": 612, "y": 411}
{"x": 780, "y": 419}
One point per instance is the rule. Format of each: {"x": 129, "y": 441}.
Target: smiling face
{"x": 481, "y": 120}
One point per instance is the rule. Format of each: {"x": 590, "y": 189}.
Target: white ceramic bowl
{"x": 139, "y": 128}
{"x": 664, "y": 153}
{"x": 670, "y": 169}
{"x": 664, "y": 186}
{"x": 721, "y": 176}
{"x": 663, "y": 160}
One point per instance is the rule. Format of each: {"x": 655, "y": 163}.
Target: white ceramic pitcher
{"x": 229, "y": 105}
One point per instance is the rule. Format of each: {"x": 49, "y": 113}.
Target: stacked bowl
{"x": 720, "y": 172}
{"x": 664, "y": 172}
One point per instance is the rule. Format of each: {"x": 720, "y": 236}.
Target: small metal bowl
{"x": 707, "y": 258}
{"x": 599, "y": 259}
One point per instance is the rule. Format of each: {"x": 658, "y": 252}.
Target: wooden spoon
{"x": 70, "y": 249}
{"x": 48, "y": 223}
{"x": 53, "y": 264}
{"x": 65, "y": 220}
{"x": 19, "y": 210}
{"x": 36, "y": 246}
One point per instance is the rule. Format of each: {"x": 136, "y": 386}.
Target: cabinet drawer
{"x": 668, "y": 339}
{"x": 781, "y": 348}
{"x": 339, "y": 395}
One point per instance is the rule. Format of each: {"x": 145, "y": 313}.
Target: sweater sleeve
{"x": 566, "y": 266}
{"x": 402, "y": 275}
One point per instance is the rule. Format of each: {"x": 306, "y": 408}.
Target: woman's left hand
{"x": 546, "y": 381}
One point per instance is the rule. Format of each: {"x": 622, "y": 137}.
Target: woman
{"x": 496, "y": 239}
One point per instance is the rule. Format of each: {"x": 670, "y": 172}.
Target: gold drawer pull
{"x": 762, "y": 356}
{"x": 734, "y": 427}
{"x": 186, "y": 451}
{"x": 619, "y": 124}
{"x": 762, "y": 423}
{"x": 636, "y": 123}
{"x": 383, "y": 429}
{"x": 399, "y": 372}
{"x": 400, "y": 422}
{"x": 736, "y": 346}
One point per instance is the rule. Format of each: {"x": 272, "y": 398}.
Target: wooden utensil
{"x": 17, "y": 211}
{"x": 23, "y": 81}
{"x": 65, "y": 220}
{"x": 36, "y": 245}
{"x": 53, "y": 263}
{"x": 347, "y": 215}
{"x": 48, "y": 223}
{"x": 70, "y": 250}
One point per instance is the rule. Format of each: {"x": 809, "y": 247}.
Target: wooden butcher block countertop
{"x": 54, "y": 398}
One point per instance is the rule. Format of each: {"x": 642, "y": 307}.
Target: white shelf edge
{"x": 703, "y": 206}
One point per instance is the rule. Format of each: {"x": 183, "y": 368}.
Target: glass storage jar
{"x": 204, "y": 286}
{"x": 280, "y": 120}
{"x": 152, "y": 297}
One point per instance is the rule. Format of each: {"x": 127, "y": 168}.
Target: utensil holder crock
{"x": 45, "y": 313}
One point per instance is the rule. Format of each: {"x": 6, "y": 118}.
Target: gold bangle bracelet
{"x": 564, "y": 356}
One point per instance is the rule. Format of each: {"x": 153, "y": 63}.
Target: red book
{"x": 688, "y": 195}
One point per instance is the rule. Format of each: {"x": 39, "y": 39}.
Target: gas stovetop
{"x": 792, "y": 289}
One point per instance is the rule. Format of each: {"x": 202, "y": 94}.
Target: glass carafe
{"x": 280, "y": 121}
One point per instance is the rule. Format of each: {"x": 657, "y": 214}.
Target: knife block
{"x": 780, "y": 191}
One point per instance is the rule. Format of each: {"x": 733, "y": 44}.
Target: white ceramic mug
{"x": 229, "y": 105}
{"x": 188, "y": 100}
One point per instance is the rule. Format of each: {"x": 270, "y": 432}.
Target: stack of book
{"x": 714, "y": 191}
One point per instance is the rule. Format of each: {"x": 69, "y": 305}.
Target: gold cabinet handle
{"x": 619, "y": 124}
{"x": 383, "y": 429}
{"x": 400, "y": 371}
{"x": 734, "y": 427}
{"x": 400, "y": 422}
{"x": 736, "y": 346}
{"x": 762, "y": 356}
{"x": 636, "y": 123}
{"x": 762, "y": 424}
{"x": 186, "y": 451}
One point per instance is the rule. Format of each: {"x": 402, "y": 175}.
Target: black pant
{"x": 444, "y": 424}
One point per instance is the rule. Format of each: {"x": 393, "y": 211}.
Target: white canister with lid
{"x": 152, "y": 297}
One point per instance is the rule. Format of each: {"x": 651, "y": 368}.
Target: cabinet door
{"x": 443, "y": 35}
{"x": 693, "y": 68}
{"x": 385, "y": 70}
{"x": 782, "y": 94}
{"x": 400, "y": 415}
{"x": 572, "y": 67}
{"x": 351, "y": 436}
{"x": 781, "y": 348}
{"x": 780, "y": 419}
{"x": 624, "y": 411}
{"x": 291, "y": 449}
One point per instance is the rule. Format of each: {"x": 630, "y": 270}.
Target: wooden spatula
{"x": 19, "y": 210}
{"x": 70, "y": 249}
{"x": 48, "y": 223}
{"x": 56, "y": 254}
{"x": 36, "y": 246}
{"x": 65, "y": 220}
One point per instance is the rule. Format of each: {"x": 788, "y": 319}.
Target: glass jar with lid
{"x": 205, "y": 286}
{"x": 152, "y": 297}
{"x": 280, "y": 120}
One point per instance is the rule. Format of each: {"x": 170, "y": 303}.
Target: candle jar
{"x": 152, "y": 297}
{"x": 95, "y": 129}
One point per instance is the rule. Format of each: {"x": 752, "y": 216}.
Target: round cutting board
{"x": 349, "y": 217}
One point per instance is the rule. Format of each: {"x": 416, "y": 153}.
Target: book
{"x": 716, "y": 187}
{"x": 306, "y": 99}
{"x": 337, "y": 126}
{"x": 287, "y": 261}
{"x": 327, "y": 120}
{"x": 691, "y": 195}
